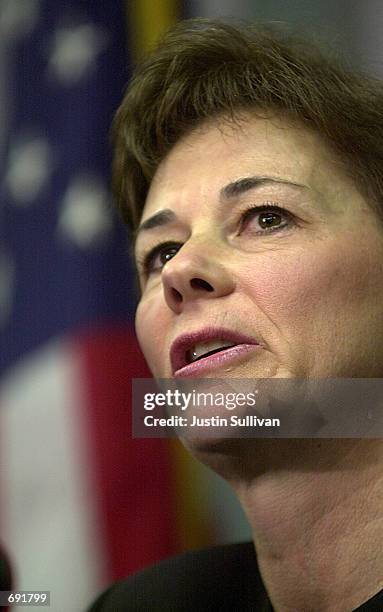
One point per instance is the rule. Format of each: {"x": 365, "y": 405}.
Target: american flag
{"x": 81, "y": 503}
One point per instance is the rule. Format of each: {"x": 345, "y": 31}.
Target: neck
{"x": 317, "y": 521}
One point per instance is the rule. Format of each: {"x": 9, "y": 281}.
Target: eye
{"x": 156, "y": 258}
{"x": 270, "y": 218}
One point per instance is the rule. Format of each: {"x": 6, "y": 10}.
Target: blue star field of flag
{"x": 63, "y": 251}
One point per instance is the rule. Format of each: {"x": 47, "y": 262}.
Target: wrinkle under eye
{"x": 257, "y": 212}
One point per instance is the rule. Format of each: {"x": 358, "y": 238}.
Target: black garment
{"x": 222, "y": 579}
{"x": 5, "y": 576}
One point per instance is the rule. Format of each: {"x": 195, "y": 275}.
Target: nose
{"x": 193, "y": 274}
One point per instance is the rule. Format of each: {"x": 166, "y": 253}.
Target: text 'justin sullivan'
{"x": 249, "y": 420}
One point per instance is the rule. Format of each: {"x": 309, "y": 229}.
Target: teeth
{"x": 202, "y": 348}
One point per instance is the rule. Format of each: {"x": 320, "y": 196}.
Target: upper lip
{"x": 184, "y": 342}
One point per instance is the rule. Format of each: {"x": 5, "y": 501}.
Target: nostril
{"x": 199, "y": 283}
{"x": 176, "y": 294}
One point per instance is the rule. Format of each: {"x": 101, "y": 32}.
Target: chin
{"x": 225, "y": 456}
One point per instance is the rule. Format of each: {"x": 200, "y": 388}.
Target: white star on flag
{"x": 85, "y": 218}
{"x": 18, "y": 18}
{"x": 30, "y": 165}
{"x": 75, "y": 51}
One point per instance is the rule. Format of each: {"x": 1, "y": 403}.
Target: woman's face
{"x": 303, "y": 277}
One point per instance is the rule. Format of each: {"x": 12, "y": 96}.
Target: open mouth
{"x": 208, "y": 347}
{"x": 202, "y": 350}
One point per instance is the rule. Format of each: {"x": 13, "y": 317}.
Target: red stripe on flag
{"x": 135, "y": 477}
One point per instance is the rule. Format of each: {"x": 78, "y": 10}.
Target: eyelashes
{"x": 251, "y": 212}
{"x": 145, "y": 262}
{"x": 168, "y": 249}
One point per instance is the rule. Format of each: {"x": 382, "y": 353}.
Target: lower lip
{"x": 217, "y": 360}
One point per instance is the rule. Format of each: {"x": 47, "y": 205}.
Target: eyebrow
{"x": 163, "y": 217}
{"x": 227, "y": 193}
{"x": 237, "y": 188}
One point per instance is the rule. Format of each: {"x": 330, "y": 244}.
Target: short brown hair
{"x": 202, "y": 69}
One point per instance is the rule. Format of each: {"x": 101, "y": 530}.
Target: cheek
{"x": 151, "y": 326}
{"x": 320, "y": 304}
{"x": 291, "y": 288}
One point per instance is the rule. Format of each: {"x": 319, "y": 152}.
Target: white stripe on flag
{"x": 48, "y": 514}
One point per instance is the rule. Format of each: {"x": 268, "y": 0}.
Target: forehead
{"x": 219, "y": 152}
